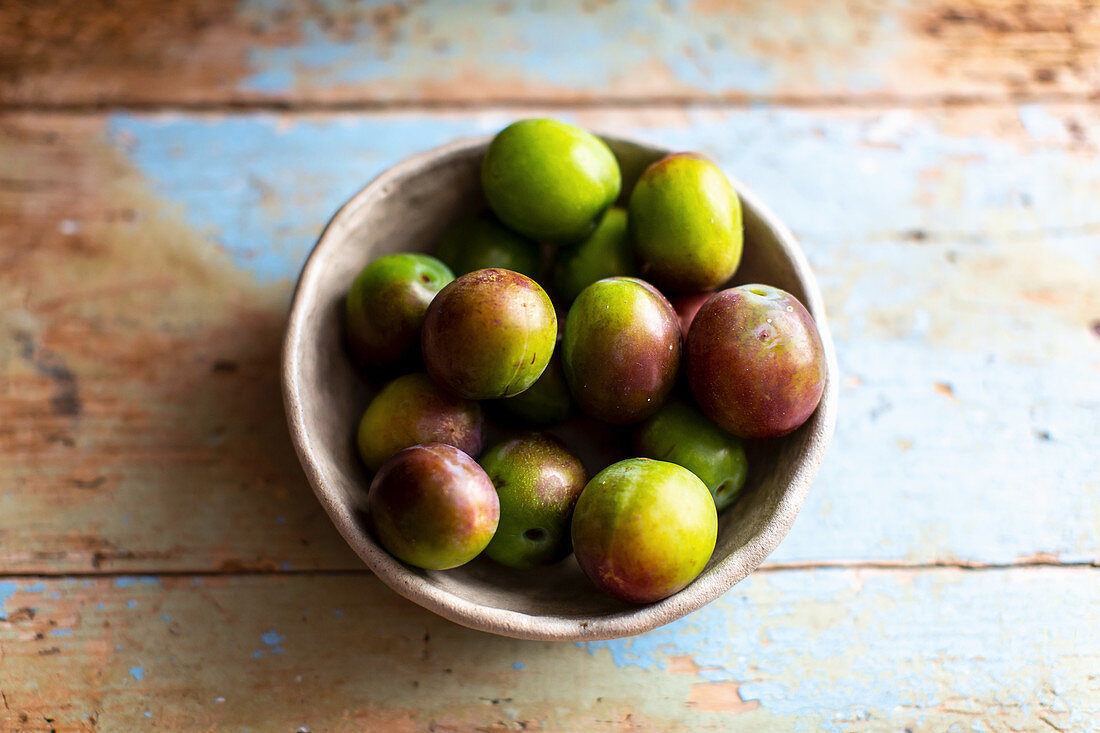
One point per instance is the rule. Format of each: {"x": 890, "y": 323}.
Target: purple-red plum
{"x": 621, "y": 349}
{"x": 755, "y": 361}
{"x": 432, "y": 506}
{"x": 490, "y": 333}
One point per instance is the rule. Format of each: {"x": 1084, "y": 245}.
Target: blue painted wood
{"x": 833, "y": 650}
{"x": 959, "y": 271}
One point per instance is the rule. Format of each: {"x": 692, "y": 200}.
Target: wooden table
{"x": 165, "y": 170}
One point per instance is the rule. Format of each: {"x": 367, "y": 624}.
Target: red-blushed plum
{"x": 621, "y": 349}
{"x": 411, "y": 410}
{"x": 432, "y": 506}
{"x": 538, "y": 481}
{"x": 644, "y": 529}
{"x": 686, "y": 306}
{"x": 685, "y": 219}
{"x": 549, "y": 180}
{"x": 479, "y": 242}
{"x": 755, "y": 361}
{"x": 386, "y": 306}
{"x": 680, "y": 434}
{"x": 546, "y": 402}
{"x": 490, "y": 333}
{"x": 606, "y": 252}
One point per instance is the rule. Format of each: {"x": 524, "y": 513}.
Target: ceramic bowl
{"x": 406, "y": 209}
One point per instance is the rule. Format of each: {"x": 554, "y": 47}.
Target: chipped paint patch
{"x": 127, "y": 581}
{"x": 719, "y": 697}
{"x": 8, "y": 588}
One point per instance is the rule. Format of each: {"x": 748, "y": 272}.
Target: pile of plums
{"x": 488, "y": 341}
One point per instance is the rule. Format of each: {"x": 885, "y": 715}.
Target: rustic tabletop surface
{"x": 165, "y": 170}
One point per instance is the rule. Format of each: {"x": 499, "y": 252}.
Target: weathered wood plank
{"x": 826, "y": 650}
{"x": 293, "y": 51}
{"x": 146, "y": 264}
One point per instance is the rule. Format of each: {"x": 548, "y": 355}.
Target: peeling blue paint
{"x": 7, "y": 590}
{"x": 33, "y": 588}
{"x": 61, "y": 632}
{"x": 261, "y": 189}
{"x": 518, "y": 665}
{"x": 131, "y": 604}
{"x": 138, "y": 673}
{"x": 128, "y": 580}
{"x": 554, "y": 46}
{"x": 899, "y": 635}
{"x": 272, "y": 638}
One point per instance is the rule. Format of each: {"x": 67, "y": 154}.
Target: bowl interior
{"x": 406, "y": 209}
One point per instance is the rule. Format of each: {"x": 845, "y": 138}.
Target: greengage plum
{"x": 411, "y": 410}
{"x": 490, "y": 333}
{"x": 606, "y": 252}
{"x": 621, "y": 349}
{"x": 549, "y": 180}
{"x": 644, "y": 529}
{"x": 537, "y": 481}
{"x": 433, "y": 506}
{"x": 685, "y": 220}
{"x": 478, "y": 242}
{"x": 386, "y": 306}
{"x": 680, "y": 434}
{"x": 755, "y": 361}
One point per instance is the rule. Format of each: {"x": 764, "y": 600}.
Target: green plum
{"x": 680, "y": 434}
{"x": 432, "y": 506}
{"x": 386, "y": 306}
{"x": 644, "y": 529}
{"x": 606, "y": 252}
{"x": 411, "y": 410}
{"x": 755, "y": 361}
{"x": 546, "y": 402}
{"x": 478, "y": 242}
{"x": 621, "y": 349}
{"x": 538, "y": 481}
{"x": 490, "y": 333}
{"x": 549, "y": 180}
{"x": 685, "y": 220}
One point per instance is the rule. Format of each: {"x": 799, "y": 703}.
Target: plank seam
{"x": 626, "y": 103}
{"x": 766, "y": 568}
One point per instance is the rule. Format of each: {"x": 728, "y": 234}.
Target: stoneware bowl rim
{"x": 630, "y": 621}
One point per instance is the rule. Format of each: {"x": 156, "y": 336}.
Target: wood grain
{"x": 147, "y": 262}
{"x": 69, "y": 53}
{"x": 828, "y": 649}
